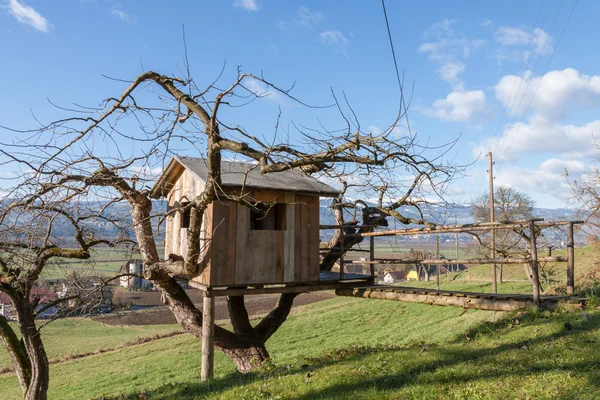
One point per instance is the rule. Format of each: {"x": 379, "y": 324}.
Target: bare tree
{"x": 509, "y": 205}
{"x": 105, "y": 153}
{"x": 586, "y": 195}
{"x": 34, "y": 220}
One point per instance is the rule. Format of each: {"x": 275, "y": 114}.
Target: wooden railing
{"x": 532, "y": 224}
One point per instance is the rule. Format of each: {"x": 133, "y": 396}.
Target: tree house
{"x": 276, "y": 244}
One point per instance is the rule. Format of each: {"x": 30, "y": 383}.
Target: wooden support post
{"x": 570, "y": 261}
{"x": 208, "y": 338}
{"x": 492, "y": 219}
{"x": 372, "y": 255}
{"x": 437, "y": 252}
{"x": 341, "y": 254}
{"x": 456, "y": 223}
{"x": 534, "y": 266}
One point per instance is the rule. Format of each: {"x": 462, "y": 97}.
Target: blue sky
{"x": 510, "y": 77}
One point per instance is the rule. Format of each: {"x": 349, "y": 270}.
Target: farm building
{"x": 394, "y": 277}
{"x": 133, "y": 282}
{"x": 42, "y": 294}
{"x": 277, "y": 242}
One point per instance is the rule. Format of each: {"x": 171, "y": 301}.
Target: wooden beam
{"x": 534, "y": 266}
{"x": 290, "y": 289}
{"x": 486, "y": 226}
{"x": 571, "y": 260}
{"x": 372, "y": 255}
{"x": 480, "y": 301}
{"x": 208, "y": 338}
{"x": 460, "y": 261}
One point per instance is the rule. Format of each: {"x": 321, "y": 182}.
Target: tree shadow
{"x": 446, "y": 357}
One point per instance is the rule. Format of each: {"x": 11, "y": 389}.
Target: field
{"x": 104, "y": 262}
{"x": 345, "y": 348}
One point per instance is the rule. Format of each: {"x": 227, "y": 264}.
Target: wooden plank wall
{"x": 237, "y": 255}
{"x": 185, "y": 189}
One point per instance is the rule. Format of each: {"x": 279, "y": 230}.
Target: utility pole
{"x": 456, "y": 223}
{"x": 437, "y": 256}
{"x": 492, "y": 219}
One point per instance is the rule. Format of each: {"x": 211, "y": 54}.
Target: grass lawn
{"x": 65, "y": 337}
{"x": 347, "y": 348}
{"x": 318, "y": 328}
{"x": 104, "y": 261}
{"x": 531, "y": 356}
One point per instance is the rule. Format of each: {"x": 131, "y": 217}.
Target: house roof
{"x": 45, "y": 294}
{"x": 235, "y": 174}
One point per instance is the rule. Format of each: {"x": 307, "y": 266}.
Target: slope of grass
{"x": 546, "y": 356}
{"x": 66, "y": 337}
{"x": 586, "y": 258}
{"x": 319, "y": 328}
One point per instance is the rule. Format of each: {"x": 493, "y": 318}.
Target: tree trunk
{"x": 31, "y": 341}
{"x": 248, "y": 356}
{"x": 17, "y": 353}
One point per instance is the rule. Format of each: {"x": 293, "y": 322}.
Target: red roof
{"x": 45, "y": 294}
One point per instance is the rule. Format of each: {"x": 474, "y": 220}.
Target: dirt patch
{"x": 159, "y": 314}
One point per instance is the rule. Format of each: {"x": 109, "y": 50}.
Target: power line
{"x": 400, "y": 85}
{"x": 542, "y": 77}
{"x": 530, "y": 42}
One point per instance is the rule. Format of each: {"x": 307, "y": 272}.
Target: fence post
{"x": 570, "y": 261}
{"x": 437, "y": 256}
{"x": 372, "y": 255}
{"x": 534, "y": 266}
{"x": 341, "y": 253}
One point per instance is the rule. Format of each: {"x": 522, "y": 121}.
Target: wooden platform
{"x": 467, "y": 300}
{"x": 327, "y": 281}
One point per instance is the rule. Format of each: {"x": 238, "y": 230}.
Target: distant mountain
{"x": 445, "y": 214}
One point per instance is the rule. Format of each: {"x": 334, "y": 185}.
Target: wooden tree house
{"x": 241, "y": 247}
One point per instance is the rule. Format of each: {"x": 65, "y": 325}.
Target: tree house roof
{"x": 236, "y": 174}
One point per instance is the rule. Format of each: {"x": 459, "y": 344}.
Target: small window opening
{"x": 185, "y": 215}
{"x": 268, "y": 217}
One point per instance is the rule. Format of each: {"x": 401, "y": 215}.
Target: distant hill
{"x": 444, "y": 214}
{"x": 438, "y": 213}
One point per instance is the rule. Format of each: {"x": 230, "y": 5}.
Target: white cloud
{"x": 304, "y": 19}
{"x": 450, "y": 72}
{"x": 27, "y": 15}
{"x": 336, "y": 40}
{"x": 486, "y": 22}
{"x": 558, "y": 91}
{"x": 459, "y": 106}
{"x": 451, "y": 48}
{"x": 262, "y": 90}
{"x": 119, "y": 12}
{"x": 249, "y": 5}
{"x": 449, "y": 44}
{"x": 145, "y": 172}
{"x": 542, "y": 136}
{"x": 549, "y": 178}
{"x": 538, "y": 40}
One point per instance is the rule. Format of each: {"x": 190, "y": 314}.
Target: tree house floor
{"x": 327, "y": 281}
{"x": 467, "y": 300}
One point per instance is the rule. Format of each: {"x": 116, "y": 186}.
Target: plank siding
{"x": 288, "y": 238}
{"x": 243, "y": 249}
{"x": 236, "y": 255}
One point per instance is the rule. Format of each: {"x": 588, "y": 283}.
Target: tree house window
{"x": 185, "y": 215}
{"x": 269, "y": 217}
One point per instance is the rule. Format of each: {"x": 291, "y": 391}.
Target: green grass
{"x": 319, "y": 328}
{"x": 349, "y": 348}
{"x": 545, "y": 356}
{"x": 104, "y": 261}
{"x": 73, "y": 336}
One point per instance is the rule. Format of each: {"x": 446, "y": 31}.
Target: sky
{"x": 519, "y": 79}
